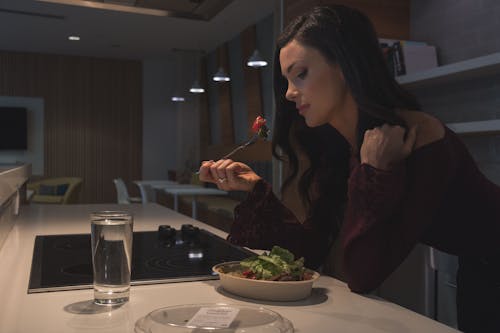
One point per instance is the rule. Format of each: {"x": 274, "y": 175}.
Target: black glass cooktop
{"x": 64, "y": 262}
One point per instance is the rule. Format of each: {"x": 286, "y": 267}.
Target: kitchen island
{"x": 330, "y": 308}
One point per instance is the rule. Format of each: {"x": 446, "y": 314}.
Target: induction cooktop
{"x": 64, "y": 262}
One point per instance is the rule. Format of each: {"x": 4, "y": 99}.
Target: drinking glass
{"x": 111, "y": 236}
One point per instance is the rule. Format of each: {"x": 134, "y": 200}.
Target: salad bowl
{"x": 263, "y": 289}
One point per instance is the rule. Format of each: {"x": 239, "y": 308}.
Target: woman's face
{"x": 315, "y": 86}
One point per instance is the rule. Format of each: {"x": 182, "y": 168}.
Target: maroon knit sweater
{"x": 437, "y": 197}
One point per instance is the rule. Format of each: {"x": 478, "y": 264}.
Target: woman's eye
{"x": 302, "y": 74}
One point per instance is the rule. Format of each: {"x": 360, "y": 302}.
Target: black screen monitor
{"x": 13, "y": 128}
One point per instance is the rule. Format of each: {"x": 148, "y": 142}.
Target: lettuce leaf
{"x": 275, "y": 264}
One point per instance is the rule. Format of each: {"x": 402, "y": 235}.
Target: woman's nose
{"x": 291, "y": 93}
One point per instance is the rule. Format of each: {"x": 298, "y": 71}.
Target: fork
{"x": 250, "y": 142}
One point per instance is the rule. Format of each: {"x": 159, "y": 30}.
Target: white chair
{"x": 122, "y": 193}
{"x": 148, "y": 193}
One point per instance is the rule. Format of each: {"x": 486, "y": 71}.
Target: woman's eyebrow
{"x": 289, "y": 69}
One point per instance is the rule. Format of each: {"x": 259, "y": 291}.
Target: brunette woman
{"x": 381, "y": 175}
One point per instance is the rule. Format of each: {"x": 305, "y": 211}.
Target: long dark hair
{"x": 346, "y": 37}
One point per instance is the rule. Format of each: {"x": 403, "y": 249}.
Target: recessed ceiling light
{"x": 74, "y": 37}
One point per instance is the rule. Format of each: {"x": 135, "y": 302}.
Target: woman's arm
{"x": 262, "y": 221}
{"x": 388, "y": 212}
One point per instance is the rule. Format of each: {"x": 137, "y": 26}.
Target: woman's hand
{"x": 229, "y": 175}
{"x": 385, "y": 146}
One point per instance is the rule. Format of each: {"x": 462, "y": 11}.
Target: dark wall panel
{"x": 92, "y": 116}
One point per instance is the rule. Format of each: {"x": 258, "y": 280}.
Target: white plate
{"x": 209, "y": 318}
{"x": 263, "y": 289}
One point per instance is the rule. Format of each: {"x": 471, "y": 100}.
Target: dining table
{"x": 156, "y": 183}
{"x": 193, "y": 192}
{"x": 331, "y": 307}
{"x": 176, "y": 190}
{"x": 147, "y": 188}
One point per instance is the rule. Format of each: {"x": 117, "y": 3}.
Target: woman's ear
{"x": 341, "y": 73}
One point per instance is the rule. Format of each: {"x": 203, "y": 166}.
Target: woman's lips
{"x": 302, "y": 108}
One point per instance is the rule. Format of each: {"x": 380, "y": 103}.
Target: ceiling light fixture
{"x": 177, "y": 99}
{"x": 176, "y": 95}
{"x": 74, "y": 37}
{"x": 196, "y": 88}
{"x": 256, "y": 60}
{"x": 221, "y": 76}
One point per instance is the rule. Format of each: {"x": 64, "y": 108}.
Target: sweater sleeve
{"x": 262, "y": 221}
{"x": 388, "y": 212}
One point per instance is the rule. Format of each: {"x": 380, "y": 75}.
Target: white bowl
{"x": 263, "y": 289}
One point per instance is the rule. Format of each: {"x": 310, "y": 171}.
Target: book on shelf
{"x": 407, "y": 57}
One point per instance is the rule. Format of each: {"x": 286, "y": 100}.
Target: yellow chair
{"x": 61, "y": 190}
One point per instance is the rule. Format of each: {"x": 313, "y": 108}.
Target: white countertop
{"x": 12, "y": 180}
{"x": 331, "y": 308}
{"x": 12, "y": 177}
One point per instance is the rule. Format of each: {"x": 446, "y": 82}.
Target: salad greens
{"x": 279, "y": 264}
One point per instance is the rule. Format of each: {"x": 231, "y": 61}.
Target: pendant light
{"x": 256, "y": 61}
{"x": 220, "y": 75}
{"x": 196, "y": 88}
{"x": 177, "y": 97}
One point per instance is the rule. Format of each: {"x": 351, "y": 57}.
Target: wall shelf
{"x": 463, "y": 70}
{"x": 484, "y": 127}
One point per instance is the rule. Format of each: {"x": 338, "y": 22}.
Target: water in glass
{"x": 111, "y": 236}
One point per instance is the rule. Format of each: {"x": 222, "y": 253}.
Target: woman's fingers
{"x": 205, "y": 174}
{"x": 409, "y": 143}
{"x": 218, "y": 170}
{"x": 232, "y": 172}
{"x": 387, "y": 132}
{"x": 386, "y": 145}
{"x": 228, "y": 175}
{"x": 213, "y": 170}
{"x": 221, "y": 170}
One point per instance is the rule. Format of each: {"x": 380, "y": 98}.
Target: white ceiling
{"x": 118, "y": 34}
